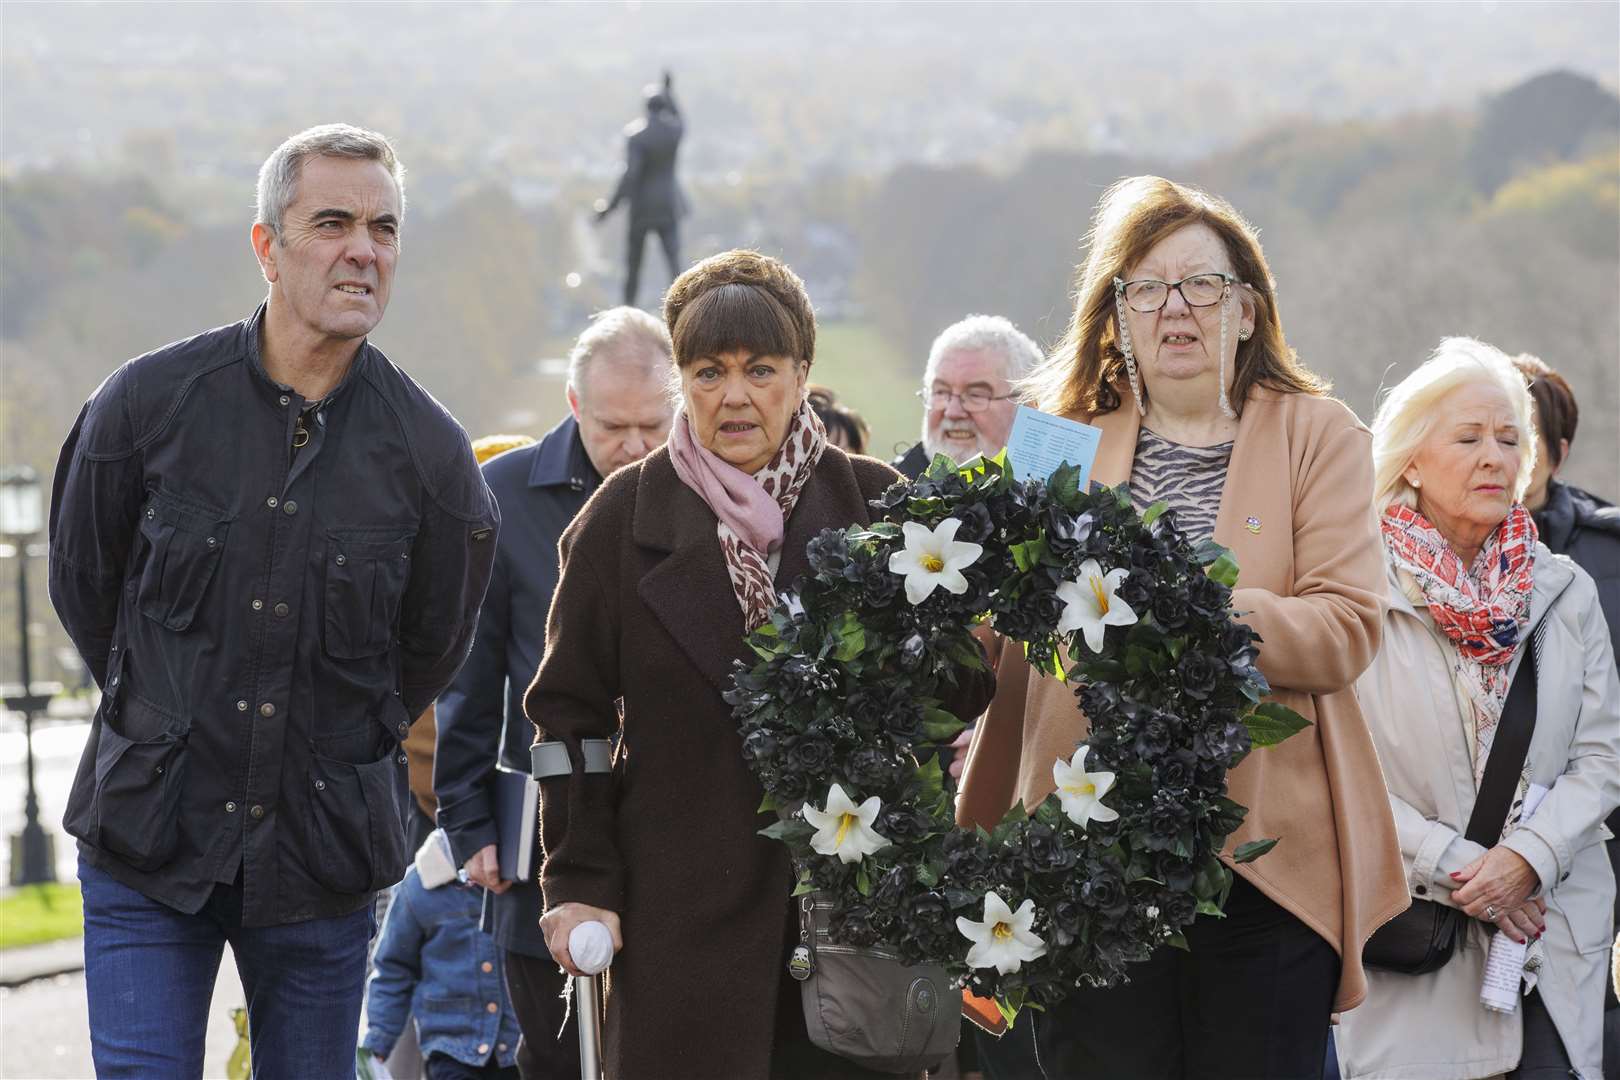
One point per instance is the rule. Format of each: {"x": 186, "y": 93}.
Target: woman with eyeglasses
{"x": 1176, "y": 351}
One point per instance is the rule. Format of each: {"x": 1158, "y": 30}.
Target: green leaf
{"x": 1064, "y": 484}
{"x": 1209, "y": 907}
{"x": 1153, "y": 512}
{"x": 931, "y": 781}
{"x": 1028, "y": 555}
{"x": 863, "y": 883}
{"x": 802, "y": 888}
{"x": 850, "y": 636}
{"x": 1253, "y": 850}
{"x": 939, "y": 726}
{"x": 1270, "y": 723}
{"x": 927, "y": 874}
{"x": 789, "y": 831}
{"x": 1223, "y": 570}
{"x": 1179, "y": 941}
{"x": 767, "y": 804}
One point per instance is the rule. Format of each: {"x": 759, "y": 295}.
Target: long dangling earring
{"x": 1130, "y": 354}
{"x": 1226, "y": 404}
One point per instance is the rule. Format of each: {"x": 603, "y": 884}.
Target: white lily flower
{"x": 844, "y": 829}
{"x": 1092, "y": 603}
{"x": 933, "y": 557}
{"x": 1004, "y": 939}
{"x": 1081, "y": 792}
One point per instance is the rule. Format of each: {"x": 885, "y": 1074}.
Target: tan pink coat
{"x": 1297, "y": 515}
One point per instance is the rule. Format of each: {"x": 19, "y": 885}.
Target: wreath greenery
{"x": 853, "y": 671}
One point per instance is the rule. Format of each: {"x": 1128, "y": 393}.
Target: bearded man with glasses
{"x": 967, "y": 390}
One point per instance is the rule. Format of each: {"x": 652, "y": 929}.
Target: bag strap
{"x": 1508, "y": 751}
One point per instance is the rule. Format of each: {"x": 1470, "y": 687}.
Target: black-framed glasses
{"x": 1148, "y": 295}
{"x": 974, "y": 399}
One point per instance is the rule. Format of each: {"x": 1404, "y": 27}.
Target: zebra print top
{"x": 1189, "y": 478}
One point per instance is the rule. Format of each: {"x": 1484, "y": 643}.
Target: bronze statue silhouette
{"x": 656, "y": 201}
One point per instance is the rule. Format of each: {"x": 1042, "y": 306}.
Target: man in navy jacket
{"x": 269, "y": 545}
{"x": 620, "y": 410}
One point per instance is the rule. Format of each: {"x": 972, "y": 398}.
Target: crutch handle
{"x": 590, "y": 944}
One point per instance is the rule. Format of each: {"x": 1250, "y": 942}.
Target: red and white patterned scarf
{"x": 1483, "y": 610}
{"x": 752, "y": 511}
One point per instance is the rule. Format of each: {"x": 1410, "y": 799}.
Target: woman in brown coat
{"x": 663, "y": 572}
{"x": 1177, "y": 354}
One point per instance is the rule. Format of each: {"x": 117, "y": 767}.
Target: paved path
{"x": 45, "y": 1031}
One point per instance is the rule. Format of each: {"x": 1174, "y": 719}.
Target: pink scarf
{"x": 752, "y": 510}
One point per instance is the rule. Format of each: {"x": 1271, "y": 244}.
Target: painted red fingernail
{"x": 1457, "y": 875}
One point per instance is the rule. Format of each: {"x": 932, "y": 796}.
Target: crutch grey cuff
{"x": 548, "y": 760}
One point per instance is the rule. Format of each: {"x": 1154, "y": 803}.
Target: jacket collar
{"x": 249, "y": 344}
{"x": 561, "y": 460}
{"x": 690, "y": 591}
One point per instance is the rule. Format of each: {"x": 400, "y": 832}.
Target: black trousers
{"x": 445, "y": 1067}
{"x": 669, "y": 236}
{"x": 1250, "y": 1000}
{"x": 535, "y": 987}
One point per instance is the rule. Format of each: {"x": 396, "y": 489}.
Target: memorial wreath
{"x": 856, "y": 665}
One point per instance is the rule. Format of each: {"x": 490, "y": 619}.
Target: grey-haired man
{"x": 269, "y": 544}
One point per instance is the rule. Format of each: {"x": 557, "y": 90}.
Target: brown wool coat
{"x": 644, "y": 611}
{"x": 1312, "y": 584}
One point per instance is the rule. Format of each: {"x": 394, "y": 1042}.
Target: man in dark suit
{"x": 618, "y": 412}
{"x": 656, "y": 201}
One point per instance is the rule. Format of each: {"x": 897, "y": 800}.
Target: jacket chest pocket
{"x": 182, "y": 548}
{"x": 366, "y": 575}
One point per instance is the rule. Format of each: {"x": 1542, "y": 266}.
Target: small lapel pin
{"x": 1252, "y": 523}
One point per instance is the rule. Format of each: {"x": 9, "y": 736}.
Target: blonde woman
{"x": 1470, "y": 589}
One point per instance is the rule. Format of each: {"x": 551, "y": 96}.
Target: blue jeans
{"x": 150, "y": 970}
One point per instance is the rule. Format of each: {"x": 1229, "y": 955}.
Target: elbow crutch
{"x": 590, "y": 944}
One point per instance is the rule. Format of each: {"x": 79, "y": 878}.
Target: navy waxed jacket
{"x": 540, "y": 488}
{"x": 263, "y": 622}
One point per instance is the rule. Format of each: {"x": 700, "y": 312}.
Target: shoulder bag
{"x": 865, "y": 1005}
{"x": 1422, "y": 938}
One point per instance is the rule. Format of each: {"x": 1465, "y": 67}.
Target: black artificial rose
{"x": 928, "y": 908}
{"x": 902, "y": 824}
{"x": 1046, "y": 848}
{"x": 976, "y": 525}
{"x": 759, "y": 746}
{"x": 1177, "y": 908}
{"x": 1153, "y": 737}
{"x": 1167, "y": 817}
{"x": 1170, "y": 611}
{"x": 891, "y": 889}
{"x": 1176, "y": 769}
{"x": 1065, "y": 533}
{"x": 1134, "y": 591}
{"x": 1105, "y": 891}
{"x": 872, "y": 769}
{"x": 1176, "y": 873}
{"x": 1198, "y": 673}
{"x": 879, "y": 585}
{"x": 1223, "y": 742}
{"x": 966, "y": 861}
{"x": 1066, "y": 916}
{"x": 1041, "y": 606}
{"x": 912, "y": 650}
{"x": 828, "y": 553}
{"x": 853, "y": 925}
{"x": 1207, "y": 597}
{"x": 808, "y": 754}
